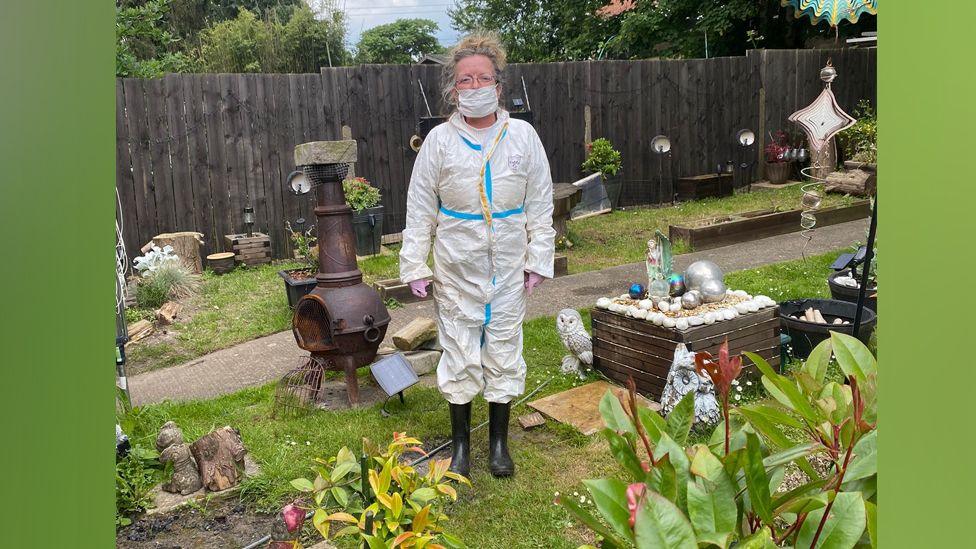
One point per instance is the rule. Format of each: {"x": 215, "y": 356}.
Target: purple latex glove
{"x": 531, "y": 281}
{"x": 419, "y": 287}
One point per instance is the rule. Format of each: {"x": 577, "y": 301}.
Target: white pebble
{"x": 681, "y": 324}
{"x": 663, "y": 305}
{"x": 741, "y": 308}
{"x": 675, "y": 307}
{"x": 752, "y": 306}
{"x": 625, "y": 296}
{"x": 641, "y": 313}
{"x": 646, "y": 304}
{"x": 728, "y": 314}
{"x": 657, "y": 319}
{"x": 709, "y": 318}
{"x": 696, "y": 321}
{"x": 632, "y": 311}
{"x": 603, "y": 302}
{"x": 668, "y": 322}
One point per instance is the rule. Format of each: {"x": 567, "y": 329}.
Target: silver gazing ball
{"x": 828, "y": 73}
{"x": 713, "y": 291}
{"x": 690, "y": 300}
{"x": 700, "y": 271}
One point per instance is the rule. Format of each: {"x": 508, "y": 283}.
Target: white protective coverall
{"x": 478, "y": 268}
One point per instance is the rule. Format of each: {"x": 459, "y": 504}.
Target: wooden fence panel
{"x": 193, "y": 150}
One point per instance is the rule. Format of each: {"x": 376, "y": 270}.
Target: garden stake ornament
{"x": 821, "y": 120}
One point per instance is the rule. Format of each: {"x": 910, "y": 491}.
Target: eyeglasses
{"x": 468, "y": 81}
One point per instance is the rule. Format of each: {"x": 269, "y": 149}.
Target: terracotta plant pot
{"x": 777, "y": 172}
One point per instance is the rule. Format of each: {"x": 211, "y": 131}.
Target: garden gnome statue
{"x": 658, "y": 262}
{"x": 186, "y": 477}
{"x": 683, "y": 379}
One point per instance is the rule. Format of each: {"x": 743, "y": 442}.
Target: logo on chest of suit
{"x": 514, "y": 160}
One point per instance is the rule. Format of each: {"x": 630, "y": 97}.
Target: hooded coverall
{"x": 478, "y": 263}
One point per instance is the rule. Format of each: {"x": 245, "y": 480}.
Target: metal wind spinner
{"x": 821, "y": 120}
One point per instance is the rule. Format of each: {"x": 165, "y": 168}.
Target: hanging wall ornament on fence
{"x": 820, "y": 121}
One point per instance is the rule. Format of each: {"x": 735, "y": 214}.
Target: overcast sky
{"x": 365, "y": 14}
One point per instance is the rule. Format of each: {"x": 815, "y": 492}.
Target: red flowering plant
{"x": 677, "y": 494}
{"x": 776, "y": 149}
{"x": 722, "y": 373}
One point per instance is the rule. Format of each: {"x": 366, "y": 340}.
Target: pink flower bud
{"x": 294, "y": 517}
{"x": 634, "y": 493}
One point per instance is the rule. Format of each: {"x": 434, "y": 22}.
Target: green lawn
{"x": 251, "y": 302}
{"x": 496, "y": 513}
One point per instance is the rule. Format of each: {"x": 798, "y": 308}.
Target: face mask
{"x": 479, "y": 102}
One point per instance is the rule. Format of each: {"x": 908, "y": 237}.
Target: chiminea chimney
{"x": 342, "y": 320}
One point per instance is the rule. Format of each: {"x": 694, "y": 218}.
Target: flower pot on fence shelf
{"x": 368, "y": 226}
{"x": 298, "y": 283}
{"x": 846, "y": 292}
{"x": 777, "y": 172}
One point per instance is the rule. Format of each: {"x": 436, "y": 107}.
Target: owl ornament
{"x": 683, "y": 379}
{"x": 577, "y": 342}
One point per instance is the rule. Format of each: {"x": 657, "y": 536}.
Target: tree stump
{"x": 186, "y": 246}
{"x": 418, "y": 331}
{"x": 220, "y": 457}
{"x": 140, "y": 329}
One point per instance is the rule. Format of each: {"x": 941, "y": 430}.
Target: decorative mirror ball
{"x": 700, "y": 271}
{"x": 637, "y": 291}
{"x": 658, "y": 288}
{"x": 713, "y": 291}
{"x": 690, "y": 300}
{"x": 676, "y": 285}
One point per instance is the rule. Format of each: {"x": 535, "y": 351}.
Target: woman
{"x": 481, "y": 187}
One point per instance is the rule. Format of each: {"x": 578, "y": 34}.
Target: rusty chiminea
{"x": 342, "y": 320}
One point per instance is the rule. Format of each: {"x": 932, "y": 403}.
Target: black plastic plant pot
{"x": 846, "y": 293}
{"x": 368, "y": 226}
{"x": 807, "y": 335}
{"x": 614, "y": 184}
{"x": 297, "y": 288}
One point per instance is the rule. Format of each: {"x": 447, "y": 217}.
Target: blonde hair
{"x": 485, "y": 43}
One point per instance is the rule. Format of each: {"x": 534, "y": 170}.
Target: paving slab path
{"x": 266, "y": 359}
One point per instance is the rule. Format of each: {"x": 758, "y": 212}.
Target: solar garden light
{"x": 249, "y": 220}
{"x": 394, "y": 375}
{"x": 298, "y": 183}
{"x": 661, "y": 145}
{"x": 746, "y": 138}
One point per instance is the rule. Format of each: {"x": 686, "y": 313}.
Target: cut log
{"x": 186, "y": 246}
{"x": 139, "y": 330}
{"x": 418, "y": 331}
{"x": 855, "y": 182}
{"x": 167, "y": 313}
{"x": 220, "y": 457}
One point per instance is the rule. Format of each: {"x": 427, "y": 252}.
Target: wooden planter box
{"x": 704, "y": 186}
{"x": 624, "y": 347}
{"x": 748, "y": 226}
{"x": 249, "y": 250}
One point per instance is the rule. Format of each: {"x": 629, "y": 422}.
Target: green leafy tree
{"x": 250, "y": 44}
{"x": 144, "y": 48}
{"x": 402, "y": 41}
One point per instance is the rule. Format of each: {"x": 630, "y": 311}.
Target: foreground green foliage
{"x": 397, "y": 506}
{"x": 727, "y": 490}
{"x": 135, "y": 475}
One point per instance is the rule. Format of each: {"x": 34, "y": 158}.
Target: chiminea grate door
{"x": 312, "y": 326}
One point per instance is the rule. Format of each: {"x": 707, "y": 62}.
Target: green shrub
{"x": 860, "y": 141}
{"x": 135, "y": 476}
{"x": 169, "y": 280}
{"x": 602, "y": 157}
{"x": 360, "y": 194}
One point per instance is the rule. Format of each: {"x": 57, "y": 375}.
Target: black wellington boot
{"x": 460, "y": 439}
{"x": 499, "y": 462}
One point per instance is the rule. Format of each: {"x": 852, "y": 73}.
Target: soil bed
{"x": 220, "y": 524}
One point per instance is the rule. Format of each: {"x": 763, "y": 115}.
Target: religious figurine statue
{"x": 186, "y": 476}
{"x": 659, "y": 264}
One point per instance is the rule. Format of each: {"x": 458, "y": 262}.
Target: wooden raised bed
{"x": 624, "y": 347}
{"x": 704, "y": 186}
{"x": 722, "y": 231}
